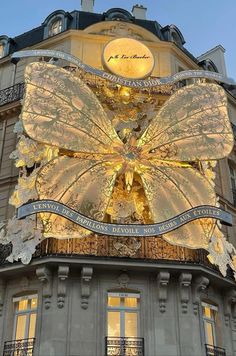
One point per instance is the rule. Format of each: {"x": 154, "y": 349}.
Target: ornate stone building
{"x": 103, "y": 295}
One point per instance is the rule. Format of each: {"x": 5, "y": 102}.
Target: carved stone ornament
{"x": 184, "y": 284}
{"x": 86, "y": 276}
{"x": 2, "y": 295}
{"x": 229, "y": 301}
{"x": 162, "y": 289}
{"x": 63, "y": 272}
{"x": 123, "y": 280}
{"x": 199, "y": 285}
{"x": 45, "y": 276}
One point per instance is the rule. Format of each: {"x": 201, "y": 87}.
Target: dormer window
{"x": 4, "y": 46}
{"x": 55, "y": 27}
{"x": 2, "y": 50}
{"x": 56, "y": 23}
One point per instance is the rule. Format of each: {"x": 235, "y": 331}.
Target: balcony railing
{"x": 124, "y": 346}
{"x": 11, "y": 94}
{"x": 22, "y": 347}
{"x": 147, "y": 248}
{"x": 214, "y": 351}
{"x": 138, "y": 248}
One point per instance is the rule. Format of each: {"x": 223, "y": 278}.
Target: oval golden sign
{"x": 128, "y": 58}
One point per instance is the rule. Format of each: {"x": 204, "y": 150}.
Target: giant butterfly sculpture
{"x": 191, "y": 128}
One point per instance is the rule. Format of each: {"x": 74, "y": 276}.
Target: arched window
{"x": 56, "y": 23}
{"x": 117, "y": 14}
{"x": 2, "y": 49}
{"x": 4, "y": 46}
{"x": 55, "y": 27}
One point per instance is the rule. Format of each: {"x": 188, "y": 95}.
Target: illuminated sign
{"x": 128, "y": 58}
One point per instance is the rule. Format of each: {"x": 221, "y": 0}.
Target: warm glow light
{"x": 128, "y": 58}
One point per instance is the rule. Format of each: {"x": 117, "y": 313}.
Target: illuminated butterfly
{"x": 192, "y": 126}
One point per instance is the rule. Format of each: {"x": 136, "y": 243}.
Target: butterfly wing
{"x": 83, "y": 185}
{"x": 60, "y": 110}
{"x": 192, "y": 125}
{"x": 173, "y": 190}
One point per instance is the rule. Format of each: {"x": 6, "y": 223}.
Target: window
{"x": 25, "y": 317}
{"x": 123, "y": 314}
{"x": 2, "y": 50}
{"x": 232, "y": 173}
{"x": 55, "y": 27}
{"x": 209, "y": 313}
{"x": 4, "y": 46}
{"x": 123, "y": 325}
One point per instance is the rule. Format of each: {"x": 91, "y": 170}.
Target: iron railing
{"x": 138, "y": 248}
{"x": 22, "y": 347}
{"x": 124, "y": 346}
{"x": 11, "y": 94}
{"x": 214, "y": 351}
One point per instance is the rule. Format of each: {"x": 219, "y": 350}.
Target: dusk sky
{"x": 203, "y": 23}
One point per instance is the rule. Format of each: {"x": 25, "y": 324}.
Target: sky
{"x": 203, "y": 23}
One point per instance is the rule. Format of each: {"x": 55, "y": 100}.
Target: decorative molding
{"x": 2, "y": 294}
{"x": 229, "y": 301}
{"x": 199, "y": 285}
{"x": 63, "y": 272}
{"x": 45, "y": 276}
{"x": 184, "y": 284}
{"x": 163, "y": 279}
{"x": 86, "y": 276}
{"x": 123, "y": 280}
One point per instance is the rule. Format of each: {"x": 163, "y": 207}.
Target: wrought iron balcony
{"x": 214, "y": 351}
{"x": 11, "y": 94}
{"x": 138, "y": 248}
{"x": 148, "y": 248}
{"x": 22, "y": 347}
{"x": 124, "y": 346}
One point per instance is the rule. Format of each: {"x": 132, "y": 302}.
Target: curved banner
{"x": 203, "y": 211}
{"x": 153, "y": 82}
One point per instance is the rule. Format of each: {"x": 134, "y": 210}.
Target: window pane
{"x": 20, "y": 327}
{"x": 23, "y": 304}
{"x": 32, "y": 325}
{"x": 113, "y": 301}
{"x": 34, "y": 303}
{"x": 131, "y": 302}
{"x": 1, "y": 50}
{"x": 209, "y": 333}
{"x": 207, "y": 312}
{"x": 131, "y": 323}
{"x": 113, "y": 328}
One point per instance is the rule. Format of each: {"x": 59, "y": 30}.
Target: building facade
{"x": 100, "y": 295}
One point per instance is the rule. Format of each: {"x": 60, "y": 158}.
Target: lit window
{"x": 123, "y": 315}
{"x": 55, "y": 27}
{"x": 25, "y": 317}
{"x": 2, "y": 50}
{"x": 209, "y": 313}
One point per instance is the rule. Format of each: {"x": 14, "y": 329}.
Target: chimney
{"x": 87, "y": 5}
{"x": 139, "y": 12}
